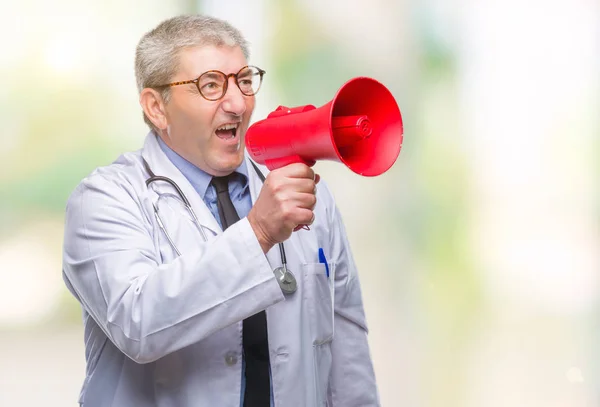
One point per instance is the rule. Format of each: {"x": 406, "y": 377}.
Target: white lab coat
{"x": 166, "y": 330}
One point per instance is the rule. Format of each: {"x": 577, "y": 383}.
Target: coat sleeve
{"x": 148, "y": 309}
{"x": 352, "y": 381}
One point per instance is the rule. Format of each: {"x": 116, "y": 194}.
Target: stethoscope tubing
{"x": 153, "y": 178}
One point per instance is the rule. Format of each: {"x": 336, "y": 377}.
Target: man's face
{"x": 193, "y": 122}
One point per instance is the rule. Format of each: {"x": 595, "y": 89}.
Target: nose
{"x": 234, "y": 101}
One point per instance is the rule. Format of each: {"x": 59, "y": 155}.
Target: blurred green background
{"x": 478, "y": 251}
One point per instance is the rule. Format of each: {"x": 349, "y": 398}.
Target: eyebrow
{"x": 210, "y": 74}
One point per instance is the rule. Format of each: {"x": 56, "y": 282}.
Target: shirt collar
{"x": 199, "y": 179}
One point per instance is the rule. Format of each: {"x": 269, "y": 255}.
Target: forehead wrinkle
{"x": 192, "y": 61}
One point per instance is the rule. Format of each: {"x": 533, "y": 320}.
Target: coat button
{"x": 231, "y": 358}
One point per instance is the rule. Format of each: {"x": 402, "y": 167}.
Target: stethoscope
{"x": 285, "y": 278}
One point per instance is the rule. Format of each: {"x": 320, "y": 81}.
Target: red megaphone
{"x": 360, "y": 127}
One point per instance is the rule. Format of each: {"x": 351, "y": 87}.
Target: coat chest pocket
{"x": 318, "y": 295}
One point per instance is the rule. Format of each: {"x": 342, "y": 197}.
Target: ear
{"x": 154, "y": 107}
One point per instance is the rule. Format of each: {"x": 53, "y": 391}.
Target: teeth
{"x": 230, "y": 126}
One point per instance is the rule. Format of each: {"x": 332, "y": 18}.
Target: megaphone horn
{"x": 360, "y": 127}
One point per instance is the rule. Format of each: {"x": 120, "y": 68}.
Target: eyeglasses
{"x": 212, "y": 85}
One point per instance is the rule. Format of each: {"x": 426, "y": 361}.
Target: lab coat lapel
{"x": 161, "y": 165}
{"x": 254, "y": 182}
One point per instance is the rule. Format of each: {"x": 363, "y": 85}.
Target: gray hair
{"x": 157, "y": 53}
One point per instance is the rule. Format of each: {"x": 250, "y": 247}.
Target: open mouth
{"x": 227, "y": 131}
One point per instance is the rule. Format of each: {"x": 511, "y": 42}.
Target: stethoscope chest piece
{"x": 286, "y": 280}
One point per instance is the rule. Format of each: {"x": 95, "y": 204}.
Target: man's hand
{"x": 287, "y": 199}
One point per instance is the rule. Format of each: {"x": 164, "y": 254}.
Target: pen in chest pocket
{"x": 323, "y": 260}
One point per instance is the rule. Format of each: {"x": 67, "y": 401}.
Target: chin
{"x": 229, "y": 164}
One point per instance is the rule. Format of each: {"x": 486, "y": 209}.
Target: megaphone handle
{"x": 262, "y": 178}
{"x": 275, "y": 163}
